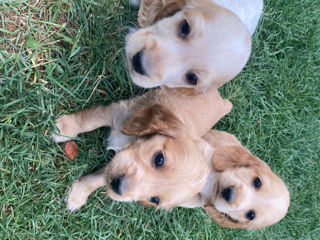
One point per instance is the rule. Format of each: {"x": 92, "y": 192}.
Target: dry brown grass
{"x": 31, "y": 24}
{"x": 33, "y": 29}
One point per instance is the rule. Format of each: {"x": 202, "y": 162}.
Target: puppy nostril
{"x": 228, "y": 194}
{"x": 116, "y": 184}
{"x": 137, "y": 63}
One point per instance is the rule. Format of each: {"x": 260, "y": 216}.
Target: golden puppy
{"x": 171, "y": 165}
{"x": 241, "y": 190}
{"x": 196, "y": 44}
{"x": 167, "y": 165}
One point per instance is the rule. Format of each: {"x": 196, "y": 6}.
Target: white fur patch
{"x": 135, "y": 3}
{"x": 207, "y": 188}
{"x": 116, "y": 140}
{"x": 249, "y": 11}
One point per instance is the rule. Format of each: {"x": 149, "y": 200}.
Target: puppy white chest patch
{"x": 117, "y": 140}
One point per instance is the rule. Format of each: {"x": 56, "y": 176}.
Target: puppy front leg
{"x": 70, "y": 125}
{"x": 83, "y": 187}
{"x": 194, "y": 202}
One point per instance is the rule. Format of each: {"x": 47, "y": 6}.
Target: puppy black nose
{"x": 137, "y": 63}
{"x": 116, "y": 184}
{"x": 228, "y": 194}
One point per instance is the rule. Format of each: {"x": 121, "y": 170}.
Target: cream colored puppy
{"x": 171, "y": 165}
{"x": 241, "y": 190}
{"x": 166, "y": 166}
{"x": 198, "y": 44}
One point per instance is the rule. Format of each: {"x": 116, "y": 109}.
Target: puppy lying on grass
{"x": 241, "y": 190}
{"x": 198, "y": 44}
{"x": 166, "y": 162}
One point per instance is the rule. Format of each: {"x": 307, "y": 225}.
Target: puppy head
{"x": 247, "y": 194}
{"x": 193, "y": 44}
{"x": 163, "y": 168}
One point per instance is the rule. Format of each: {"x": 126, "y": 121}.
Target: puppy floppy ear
{"x": 151, "y": 120}
{"x": 223, "y": 219}
{"x": 234, "y": 156}
{"x": 152, "y": 11}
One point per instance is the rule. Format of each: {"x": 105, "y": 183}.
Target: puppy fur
{"x": 196, "y": 169}
{"x": 214, "y": 50}
{"x": 132, "y": 175}
{"x": 248, "y": 11}
{"x": 234, "y": 166}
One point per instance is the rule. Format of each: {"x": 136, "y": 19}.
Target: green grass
{"x": 57, "y": 56}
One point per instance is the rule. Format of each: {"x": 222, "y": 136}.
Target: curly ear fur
{"x": 223, "y": 219}
{"x": 234, "y": 156}
{"x": 151, "y": 120}
{"x": 153, "y": 10}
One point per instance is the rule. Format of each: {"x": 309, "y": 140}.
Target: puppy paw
{"x": 77, "y": 197}
{"x": 66, "y": 127}
{"x": 57, "y": 138}
{"x": 228, "y": 105}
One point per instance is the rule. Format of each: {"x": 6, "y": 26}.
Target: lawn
{"x": 62, "y": 56}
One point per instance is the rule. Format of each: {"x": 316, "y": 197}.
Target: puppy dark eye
{"x": 155, "y": 200}
{"x": 250, "y": 215}
{"x": 158, "y": 159}
{"x": 184, "y": 29}
{"x": 257, "y": 183}
{"x": 191, "y": 78}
